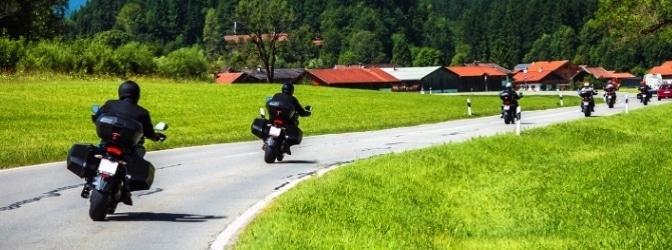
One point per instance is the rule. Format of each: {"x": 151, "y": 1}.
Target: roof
{"x": 467, "y": 71}
{"x": 493, "y": 65}
{"x": 623, "y": 75}
{"x": 228, "y": 77}
{"x": 246, "y": 38}
{"x": 370, "y": 65}
{"x": 598, "y": 72}
{"x": 537, "y": 71}
{"x": 521, "y": 67}
{"x": 283, "y": 74}
{"x": 410, "y": 73}
{"x": 664, "y": 69}
{"x": 352, "y": 75}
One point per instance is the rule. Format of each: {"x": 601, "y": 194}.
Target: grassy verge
{"x": 591, "y": 184}
{"x": 42, "y": 117}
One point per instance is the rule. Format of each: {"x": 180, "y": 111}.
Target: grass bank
{"x": 591, "y": 184}
{"x": 42, "y": 117}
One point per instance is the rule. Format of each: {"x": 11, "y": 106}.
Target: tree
{"x": 265, "y": 21}
{"x": 130, "y": 18}
{"x": 631, "y": 20}
{"x": 211, "y": 37}
{"x": 401, "y": 52}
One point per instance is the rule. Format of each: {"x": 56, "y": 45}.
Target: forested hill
{"x": 448, "y": 32}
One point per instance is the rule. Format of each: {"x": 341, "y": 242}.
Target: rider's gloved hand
{"x": 160, "y": 137}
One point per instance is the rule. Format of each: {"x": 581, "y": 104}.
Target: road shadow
{"x": 296, "y": 161}
{"x": 169, "y": 217}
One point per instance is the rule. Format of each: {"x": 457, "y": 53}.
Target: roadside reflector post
{"x": 469, "y": 106}
{"x": 626, "y": 104}
{"x": 562, "y": 104}
{"x": 518, "y": 120}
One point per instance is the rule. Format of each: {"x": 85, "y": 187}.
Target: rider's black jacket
{"x": 128, "y": 109}
{"x": 512, "y": 93}
{"x": 282, "y": 97}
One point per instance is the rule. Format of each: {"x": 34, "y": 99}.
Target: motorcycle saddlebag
{"x": 286, "y": 110}
{"x": 294, "y": 135}
{"x": 118, "y": 129}
{"x": 139, "y": 174}
{"x": 639, "y": 95}
{"x": 260, "y": 128}
{"x": 81, "y": 160}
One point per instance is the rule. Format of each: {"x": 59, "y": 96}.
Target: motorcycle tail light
{"x": 114, "y": 150}
{"x": 507, "y": 102}
{"x": 278, "y": 122}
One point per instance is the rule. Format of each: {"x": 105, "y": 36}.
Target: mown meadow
{"x": 42, "y": 116}
{"x": 599, "y": 183}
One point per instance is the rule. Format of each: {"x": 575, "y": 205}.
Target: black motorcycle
{"x": 610, "y": 97}
{"x": 274, "y": 133}
{"x": 509, "y": 107}
{"x": 112, "y": 167}
{"x": 586, "y": 106}
{"x": 644, "y": 96}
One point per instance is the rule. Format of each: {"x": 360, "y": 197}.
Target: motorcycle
{"x": 111, "y": 168}
{"x": 610, "y": 97}
{"x": 586, "y": 108}
{"x": 274, "y": 133}
{"x": 644, "y": 96}
{"x": 509, "y": 108}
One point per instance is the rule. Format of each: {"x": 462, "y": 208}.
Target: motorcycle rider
{"x": 508, "y": 91}
{"x": 643, "y": 87}
{"x": 588, "y": 89}
{"x": 287, "y": 96}
{"x": 609, "y": 88}
{"x": 127, "y": 107}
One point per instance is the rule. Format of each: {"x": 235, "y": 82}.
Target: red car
{"x": 664, "y": 91}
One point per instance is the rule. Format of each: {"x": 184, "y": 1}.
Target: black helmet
{"x": 288, "y": 88}
{"x": 129, "y": 89}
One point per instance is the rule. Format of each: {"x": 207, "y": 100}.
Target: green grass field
{"x": 43, "y": 116}
{"x": 591, "y": 184}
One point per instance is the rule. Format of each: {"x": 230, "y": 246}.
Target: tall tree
{"x": 35, "y": 19}
{"x": 130, "y": 18}
{"x": 265, "y": 21}
{"x": 630, "y": 20}
{"x": 211, "y": 37}
{"x": 401, "y": 52}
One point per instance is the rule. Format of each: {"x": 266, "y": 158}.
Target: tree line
{"x": 159, "y": 36}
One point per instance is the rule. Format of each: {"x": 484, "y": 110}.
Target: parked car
{"x": 664, "y": 91}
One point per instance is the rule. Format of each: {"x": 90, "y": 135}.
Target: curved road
{"x": 198, "y": 191}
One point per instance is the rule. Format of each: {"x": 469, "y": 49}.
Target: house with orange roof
{"x": 665, "y": 70}
{"x": 478, "y": 77}
{"x": 355, "y": 77}
{"x": 231, "y": 77}
{"x": 546, "y": 75}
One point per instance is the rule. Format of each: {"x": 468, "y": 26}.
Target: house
{"x": 665, "y": 70}
{"x": 625, "y": 79}
{"x": 370, "y": 65}
{"x": 546, "y": 75}
{"x": 419, "y": 78}
{"x": 246, "y": 38}
{"x": 291, "y": 75}
{"x": 356, "y": 77}
{"x": 231, "y": 77}
{"x": 477, "y": 77}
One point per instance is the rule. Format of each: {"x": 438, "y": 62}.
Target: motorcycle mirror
{"x": 161, "y": 126}
{"x": 268, "y": 99}
{"x": 309, "y": 108}
{"x": 95, "y": 108}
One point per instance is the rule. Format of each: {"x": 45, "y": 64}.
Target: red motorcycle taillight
{"x": 278, "y": 122}
{"x": 114, "y": 150}
{"x": 507, "y": 102}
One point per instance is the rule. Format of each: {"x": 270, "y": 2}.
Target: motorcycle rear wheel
{"x": 269, "y": 155}
{"x": 98, "y": 206}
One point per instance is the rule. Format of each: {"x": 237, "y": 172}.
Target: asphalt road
{"x": 199, "y": 191}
